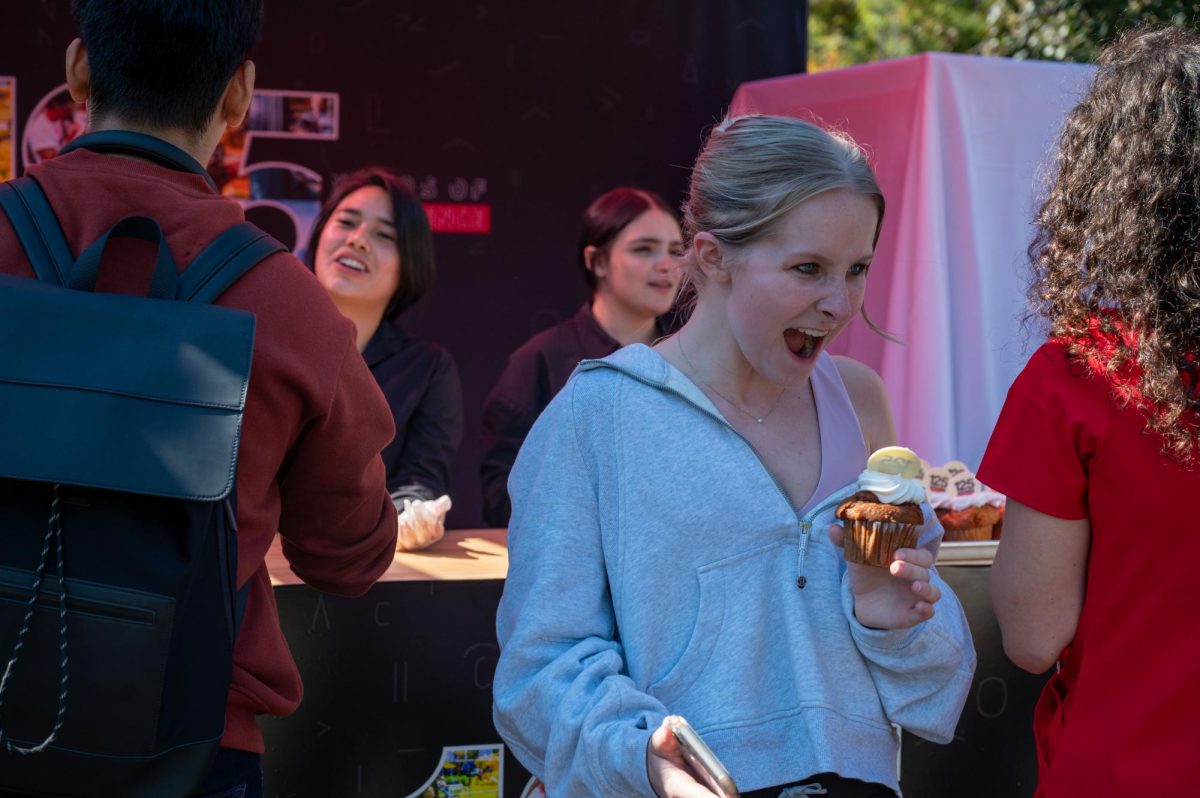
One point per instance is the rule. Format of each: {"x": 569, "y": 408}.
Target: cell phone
{"x": 701, "y": 759}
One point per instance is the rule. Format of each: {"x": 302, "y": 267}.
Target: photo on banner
{"x": 8, "y": 127}
{"x": 282, "y": 197}
{"x": 466, "y": 771}
{"x": 54, "y": 123}
{"x": 274, "y": 114}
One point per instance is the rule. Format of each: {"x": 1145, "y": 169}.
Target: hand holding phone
{"x": 703, "y": 763}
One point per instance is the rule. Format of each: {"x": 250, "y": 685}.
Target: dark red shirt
{"x": 314, "y": 423}
{"x": 533, "y": 375}
{"x": 1122, "y": 716}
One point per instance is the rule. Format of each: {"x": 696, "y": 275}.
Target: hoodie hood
{"x": 643, "y": 363}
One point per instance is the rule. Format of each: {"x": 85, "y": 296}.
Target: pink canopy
{"x": 961, "y": 146}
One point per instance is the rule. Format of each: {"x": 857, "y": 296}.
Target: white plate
{"x": 968, "y": 552}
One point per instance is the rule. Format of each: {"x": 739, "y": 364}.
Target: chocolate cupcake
{"x": 885, "y": 514}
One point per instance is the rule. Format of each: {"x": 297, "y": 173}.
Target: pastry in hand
{"x": 885, "y": 514}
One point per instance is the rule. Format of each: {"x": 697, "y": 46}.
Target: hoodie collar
{"x": 644, "y": 364}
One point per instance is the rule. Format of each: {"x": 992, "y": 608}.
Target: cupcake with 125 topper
{"x": 966, "y": 508}
{"x": 885, "y": 514}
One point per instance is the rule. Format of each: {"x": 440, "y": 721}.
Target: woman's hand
{"x": 895, "y": 597}
{"x": 669, "y": 774}
{"x": 421, "y": 523}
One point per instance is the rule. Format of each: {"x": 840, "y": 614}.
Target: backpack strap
{"x": 217, "y": 267}
{"x": 38, "y": 229}
{"x": 221, "y": 263}
{"x": 165, "y": 283}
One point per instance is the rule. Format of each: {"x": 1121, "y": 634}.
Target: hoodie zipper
{"x": 806, "y": 530}
{"x": 805, "y": 526}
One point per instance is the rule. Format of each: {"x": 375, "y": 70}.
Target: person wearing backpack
{"x": 171, "y": 78}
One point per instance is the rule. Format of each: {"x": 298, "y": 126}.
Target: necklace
{"x": 730, "y": 402}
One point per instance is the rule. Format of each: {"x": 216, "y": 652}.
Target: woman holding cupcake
{"x": 670, "y": 547}
{"x": 1097, "y": 444}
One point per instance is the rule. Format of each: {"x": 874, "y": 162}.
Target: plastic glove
{"x": 421, "y": 523}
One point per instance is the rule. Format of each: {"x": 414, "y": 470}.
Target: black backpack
{"x": 119, "y": 426}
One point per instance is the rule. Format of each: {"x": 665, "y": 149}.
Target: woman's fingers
{"x": 927, "y": 591}
{"x": 919, "y": 557}
{"x": 669, "y": 776}
{"x": 913, "y": 565}
{"x": 923, "y": 611}
{"x": 663, "y": 742}
{"x": 906, "y": 570}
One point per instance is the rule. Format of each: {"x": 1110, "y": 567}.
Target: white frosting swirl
{"x": 892, "y": 488}
{"x": 939, "y": 500}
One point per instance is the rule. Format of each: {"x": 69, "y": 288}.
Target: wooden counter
{"x": 461, "y": 554}
{"x": 483, "y": 554}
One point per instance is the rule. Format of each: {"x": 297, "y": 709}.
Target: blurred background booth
{"x": 960, "y": 144}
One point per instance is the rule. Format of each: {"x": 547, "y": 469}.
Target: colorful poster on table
{"x": 467, "y": 771}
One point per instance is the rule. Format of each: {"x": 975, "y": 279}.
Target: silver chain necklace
{"x": 730, "y": 402}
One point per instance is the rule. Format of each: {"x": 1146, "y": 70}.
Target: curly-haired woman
{"x": 1096, "y": 446}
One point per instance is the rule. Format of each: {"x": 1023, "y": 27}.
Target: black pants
{"x": 835, "y": 787}
{"x": 235, "y": 774}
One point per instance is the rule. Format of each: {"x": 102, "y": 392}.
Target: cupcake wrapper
{"x": 973, "y": 533}
{"x": 875, "y": 542}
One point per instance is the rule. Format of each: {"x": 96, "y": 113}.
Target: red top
{"x": 1122, "y": 716}
{"x": 314, "y": 423}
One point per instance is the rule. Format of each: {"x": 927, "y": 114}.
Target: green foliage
{"x": 856, "y": 31}
{"x": 1072, "y": 30}
{"x": 845, "y": 32}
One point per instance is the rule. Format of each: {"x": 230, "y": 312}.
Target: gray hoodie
{"x": 656, "y": 567}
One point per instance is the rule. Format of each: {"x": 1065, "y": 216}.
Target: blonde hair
{"x": 754, "y": 169}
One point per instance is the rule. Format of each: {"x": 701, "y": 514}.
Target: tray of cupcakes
{"x": 971, "y": 513}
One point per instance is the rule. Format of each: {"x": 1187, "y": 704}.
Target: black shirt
{"x": 422, "y": 388}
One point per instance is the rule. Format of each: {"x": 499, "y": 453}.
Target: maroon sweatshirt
{"x": 315, "y": 421}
